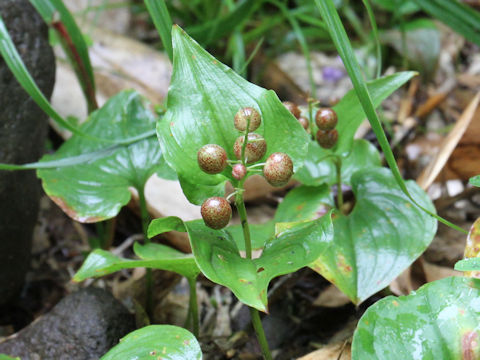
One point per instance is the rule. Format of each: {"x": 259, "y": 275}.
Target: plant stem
{"x": 193, "y": 305}
{"x": 262, "y": 339}
{"x": 338, "y": 166}
{"x": 242, "y": 211}
{"x": 257, "y": 323}
{"x": 148, "y": 276}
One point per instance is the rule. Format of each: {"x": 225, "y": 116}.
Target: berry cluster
{"x": 326, "y": 120}
{"x": 248, "y": 148}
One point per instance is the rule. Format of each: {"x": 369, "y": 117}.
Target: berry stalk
{"x": 148, "y": 277}
{"x": 257, "y": 323}
{"x": 193, "y": 305}
{"x": 338, "y": 166}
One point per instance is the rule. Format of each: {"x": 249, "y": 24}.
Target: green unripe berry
{"x": 292, "y": 107}
{"x": 278, "y": 169}
{"x": 239, "y": 171}
{"x": 326, "y": 119}
{"x": 242, "y": 116}
{"x": 216, "y": 212}
{"x": 255, "y": 149}
{"x": 327, "y": 138}
{"x": 304, "y": 122}
{"x": 212, "y": 158}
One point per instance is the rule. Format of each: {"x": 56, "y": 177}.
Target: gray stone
{"x": 23, "y": 128}
{"x": 82, "y": 326}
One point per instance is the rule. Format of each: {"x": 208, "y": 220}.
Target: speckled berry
{"x": 242, "y": 116}
{"x": 278, "y": 169}
{"x": 327, "y": 138}
{"x": 216, "y": 212}
{"x": 304, "y": 122}
{"x": 255, "y": 149}
{"x": 239, "y": 171}
{"x": 212, "y": 158}
{"x": 293, "y": 108}
{"x": 326, "y": 119}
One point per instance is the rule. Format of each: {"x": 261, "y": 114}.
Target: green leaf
{"x": 96, "y": 191}
{"x": 439, "y": 321}
{"x": 471, "y": 264}
{"x": 403, "y": 7}
{"x": 161, "y": 18}
{"x": 203, "y": 98}
{"x": 259, "y": 233}
{"x": 165, "y": 224}
{"x": 305, "y": 203}
{"x": 218, "y": 257}
{"x": 6, "y": 357}
{"x": 423, "y": 43}
{"x": 319, "y": 167}
{"x": 164, "y": 342}
{"x": 351, "y": 113}
{"x": 156, "y": 256}
{"x": 475, "y": 181}
{"x": 460, "y": 17}
{"x": 73, "y": 43}
{"x": 373, "y": 244}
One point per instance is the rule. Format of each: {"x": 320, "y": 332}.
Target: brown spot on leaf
{"x": 73, "y": 214}
{"x": 469, "y": 343}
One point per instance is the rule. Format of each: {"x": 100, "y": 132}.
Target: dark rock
{"x": 82, "y": 326}
{"x": 23, "y": 128}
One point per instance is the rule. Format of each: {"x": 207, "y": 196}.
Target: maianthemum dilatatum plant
{"x": 220, "y": 128}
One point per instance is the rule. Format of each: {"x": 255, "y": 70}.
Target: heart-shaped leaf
{"x": 164, "y": 342}
{"x": 319, "y": 167}
{"x": 218, "y": 257}
{"x": 379, "y": 239}
{"x": 96, "y": 191}
{"x": 156, "y": 256}
{"x": 439, "y": 321}
{"x": 203, "y": 98}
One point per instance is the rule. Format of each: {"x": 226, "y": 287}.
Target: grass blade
{"x": 345, "y": 50}
{"x": 73, "y": 43}
{"x": 79, "y": 159}
{"x": 161, "y": 18}
{"x": 461, "y": 18}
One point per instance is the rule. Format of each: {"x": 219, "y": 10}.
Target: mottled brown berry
{"x": 326, "y": 119}
{"x": 216, "y": 212}
{"x": 255, "y": 149}
{"x": 327, "y": 138}
{"x": 278, "y": 169}
{"x": 293, "y": 108}
{"x": 239, "y": 171}
{"x": 304, "y": 122}
{"x": 212, "y": 158}
{"x": 242, "y": 116}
